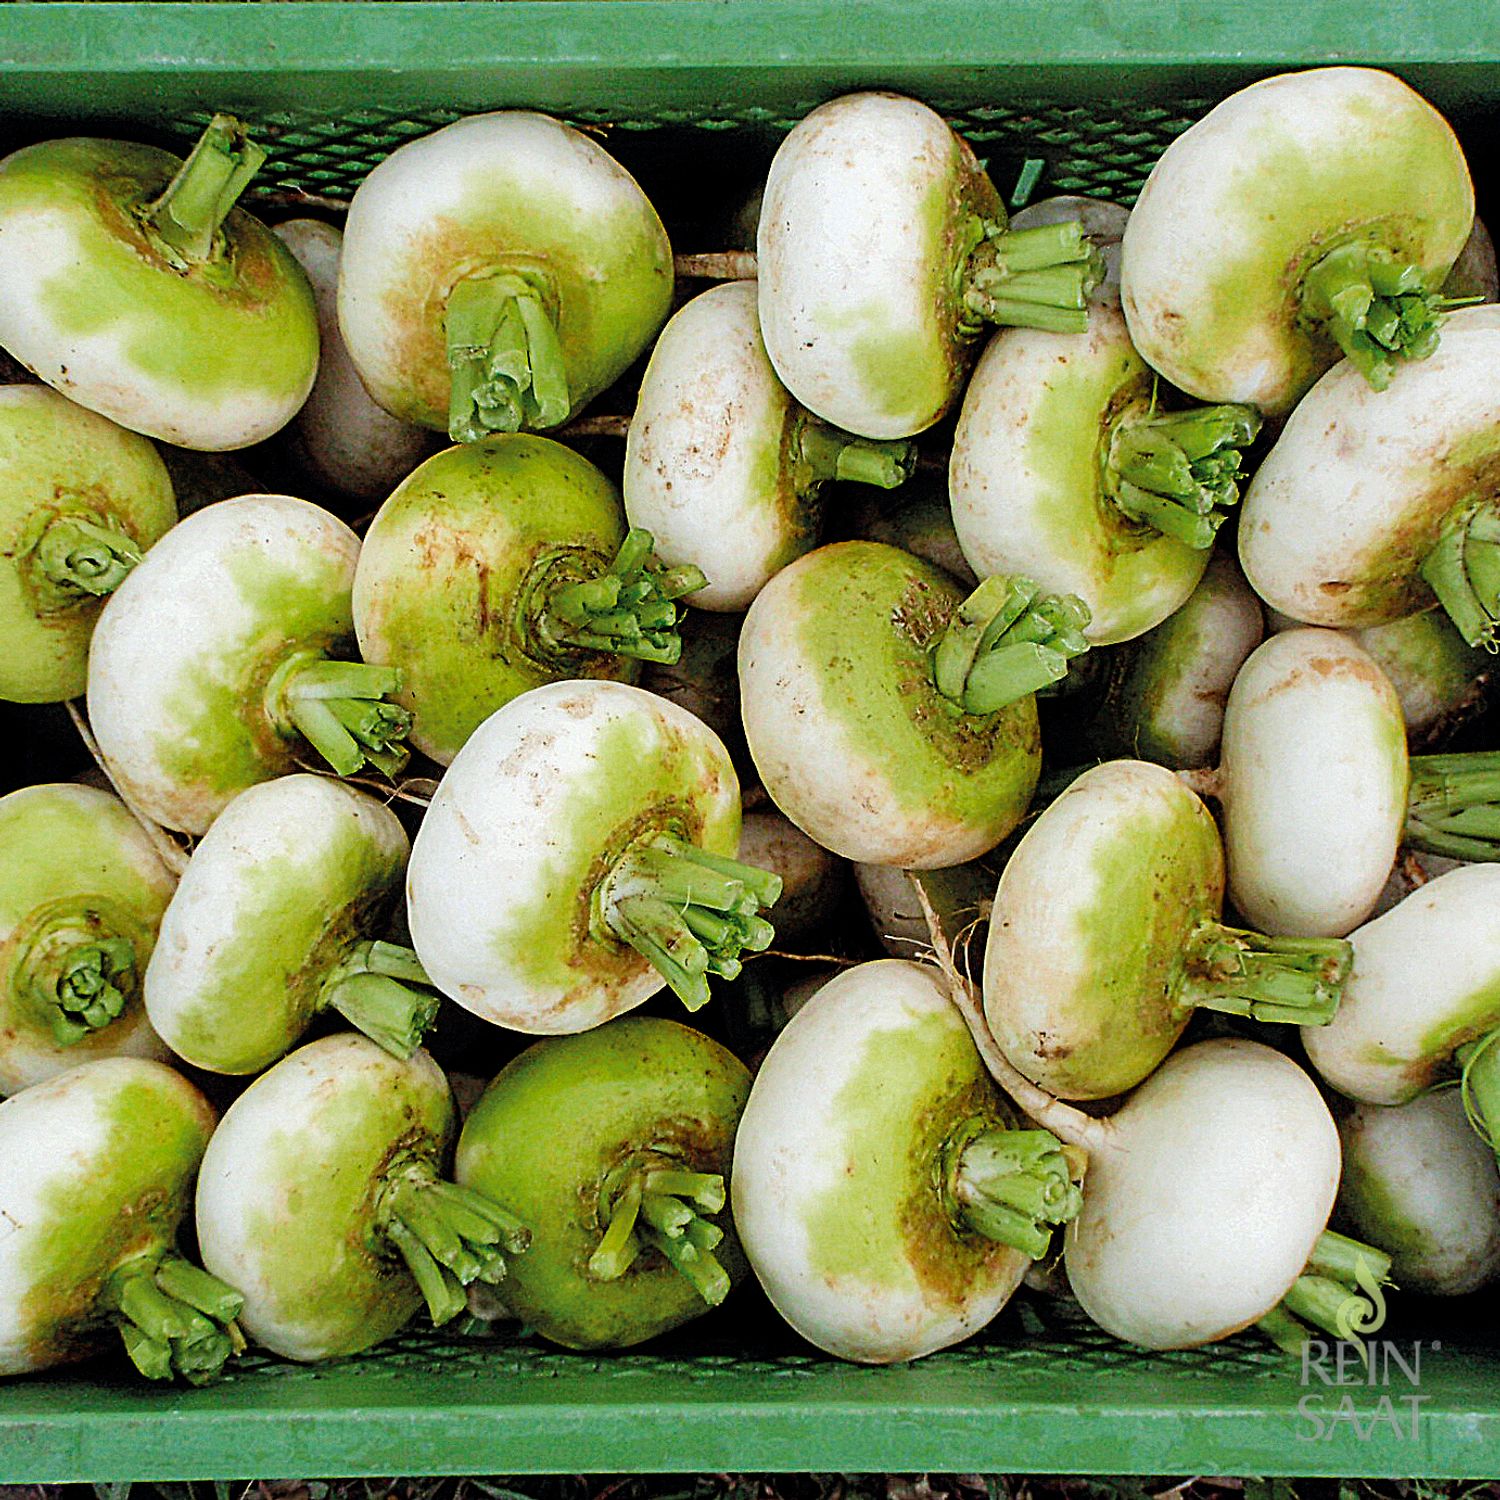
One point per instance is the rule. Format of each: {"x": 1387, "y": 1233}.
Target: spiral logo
{"x": 1361, "y": 1314}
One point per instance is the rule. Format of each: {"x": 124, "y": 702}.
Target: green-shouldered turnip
{"x": 812, "y": 880}
{"x": 323, "y": 1199}
{"x": 135, "y": 287}
{"x": 705, "y": 678}
{"x": 614, "y": 1146}
{"x": 1372, "y": 503}
{"x": 1441, "y": 680}
{"x": 80, "y": 500}
{"x": 82, "y": 893}
{"x": 578, "y": 855}
{"x": 1422, "y": 1005}
{"x": 280, "y": 916}
{"x": 1103, "y": 224}
{"x": 340, "y": 438}
{"x": 1308, "y": 214}
{"x": 500, "y": 565}
{"x": 886, "y": 1195}
{"x": 960, "y": 895}
{"x": 890, "y": 718}
{"x": 220, "y": 661}
{"x": 1162, "y": 695}
{"x": 498, "y": 274}
{"x": 722, "y": 466}
{"x": 1065, "y": 469}
{"x": 1423, "y": 1186}
{"x": 1105, "y": 935}
{"x": 917, "y": 518}
{"x": 96, "y": 1177}
{"x": 883, "y": 254}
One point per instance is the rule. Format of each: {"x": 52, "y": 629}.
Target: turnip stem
{"x": 1294, "y": 980}
{"x": 371, "y": 989}
{"x": 1479, "y": 1080}
{"x": 174, "y": 1317}
{"x": 688, "y": 912}
{"x": 79, "y": 556}
{"x": 339, "y": 708}
{"x": 1343, "y": 1259}
{"x": 1283, "y": 1330}
{"x": 449, "y": 1236}
{"x": 187, "y": 215}
{"x": 1030, "y": 278}
{"x": 1377, "y": 309}
{"x": 80, "y": 970}
{"x": 505, "y": 357}
{"x": 1015, "y": 1186}
{"x": 717, "y": 265}
{"x": 1463, "y": 570}
{"x": 828, "y": 453}
{"x": 1328, "y": 1304}
{"x": 629, "y": 609}
{"x": 710, "y": 1280}
{"x": 1338, "y": 1292}
{"x": 1178, "y": 472}
{"x": 706, "y": 1189}
{"x": 1007, "y": 639}
{"x": 1453, "y": 805}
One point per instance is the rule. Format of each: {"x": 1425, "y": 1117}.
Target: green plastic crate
{"x": 1096, "y": 88}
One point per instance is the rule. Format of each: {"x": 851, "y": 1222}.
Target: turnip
{"x": 1313, "y": 779}
{"x": 884, "y": 253}
{"x": 135, "y": 287}
{"x": 81, "y": 500}
{"x": 1103, "y": 223}
{"x": 1423, "y": 1002}
{"x": 341, "y": 438}
{"x": 1227, "y": 1155}
{"x": 578, "y": 855}
{"x": 1419, "y": 1182}
{"x": 82, "y": 893}
{"x": 890, "y": 718}
{"x": 1105, "y": 935}
{"x": 812, "y": 879}
{"x": 279, "y": 917}
{"x": 885, "y": 1195}
{"x": 1441, "y": 680}
{"x": 960, "y": 895}
{"x": 96, "y": 1176}
{"x": 220, "y": 663}
{"x": 501, "y": 565}
{"x": 614, "y": 1146}
{"x": 1474, "y": 273}
{"x": 1360, "y": 203}
{"x": 322, "y": 1197}
{"x": 705, "y": 678}
{"x": 722, "y": 465}
{"x": 917, "y": 518}
{"x": 498, "y": 274}
{"x": 1066, "y": 468}
{"x": 1162, "y": 695}
{"x": 1410, "y": 873}
{"x": 1373, "y": 503}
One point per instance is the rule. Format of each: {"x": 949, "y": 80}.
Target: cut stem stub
{"x": 1007, "y": 639}
{"x": 1453, "y": 805}
{"x": 1299, "y": 981}
{"x": 382, "y": 989}
{"x": 1015, "y": 1186}
{"x": 340, "y": 708}
{"x": 81, "y": 971}
{"x": 1339, "y": 1292}
{"x": 1376, "y": 308}
{"x": 174, "y": 1317}
{"x": 688, "y": 912}
{"x": 506, "y": 367}
{"x": 77, "y": 556}
{"x": 449, "y": 1236}
{"x": 186, "y": 217}
{"x": 1463, "y": 570}
{"x": 629, "y": 608}
{"x": 653, "y": 1200}
{"x": 1028, "y": 278}
{"x": 825, "y": 452}
{"x": 1178, "y": 472}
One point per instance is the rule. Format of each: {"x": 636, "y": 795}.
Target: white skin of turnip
{"x": 1422, "y": 1185}
{"x": 1313, "y": 783}
{"x": 1424, "y": 981}
{"x": 1345, "y": 508}
{"x": 341, "y": 438}
{"x": 833, "y": 1191}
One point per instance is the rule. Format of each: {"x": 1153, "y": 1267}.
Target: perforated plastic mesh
{"x": 1104, "y": 149}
